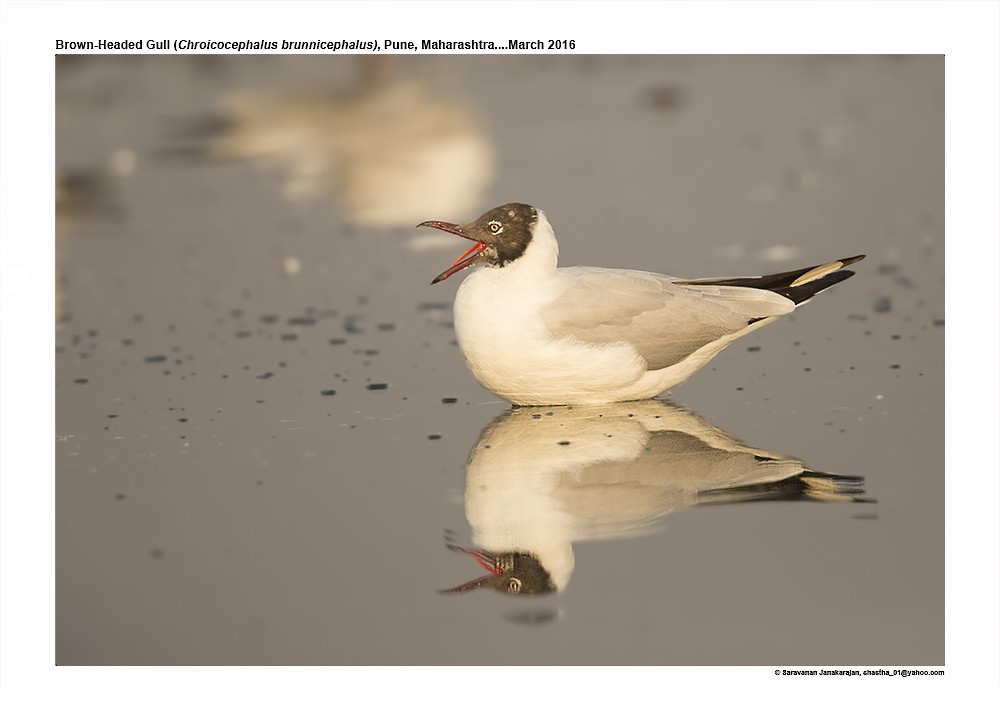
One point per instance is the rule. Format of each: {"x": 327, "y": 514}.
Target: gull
{"x": 537, "y": 334}
{"x": 537, "y": 483}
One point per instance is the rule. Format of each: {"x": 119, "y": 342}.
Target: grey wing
{"x": 664, "y": 322}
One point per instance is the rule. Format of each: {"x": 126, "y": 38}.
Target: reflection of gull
{"x": 540, "y": 480}
{"x": 388, "y": 154}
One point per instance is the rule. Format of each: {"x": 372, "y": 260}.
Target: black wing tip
{"x": 851, "y": 260}
{"x": 778, "y": 282}
{"x": 800, "y": 293}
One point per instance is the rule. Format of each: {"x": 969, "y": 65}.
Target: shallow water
{"x": 267, "y": 438}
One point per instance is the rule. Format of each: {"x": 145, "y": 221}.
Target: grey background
{"x": 251, "y": 520}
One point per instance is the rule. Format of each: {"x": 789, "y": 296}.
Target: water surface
{"x": 267, "y": 437}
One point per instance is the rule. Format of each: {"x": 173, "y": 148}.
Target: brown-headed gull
{"x": 537, "y": 334}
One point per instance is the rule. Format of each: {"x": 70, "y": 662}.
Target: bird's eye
{"x": 514, "y": 585}
{"x": 495, "y": 227}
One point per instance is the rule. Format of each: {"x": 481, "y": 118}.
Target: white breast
{"x": 509, "y": 348}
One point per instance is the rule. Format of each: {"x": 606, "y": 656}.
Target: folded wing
{"x": 662, "y": 318}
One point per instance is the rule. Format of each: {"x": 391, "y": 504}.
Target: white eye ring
{"x": 495, "y": 227}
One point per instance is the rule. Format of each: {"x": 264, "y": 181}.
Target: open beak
{"x": 469, "y": 257}
{"x": 487, "y": 562}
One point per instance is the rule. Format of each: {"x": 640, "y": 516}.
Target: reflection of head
{"x": 515, "y": 573}
{"x": 540, "y": 479}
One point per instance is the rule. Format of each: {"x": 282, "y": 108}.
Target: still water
{"x": 270, "y": 451}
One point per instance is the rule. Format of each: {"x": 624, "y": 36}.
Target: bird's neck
{"x": 542, "y": 254}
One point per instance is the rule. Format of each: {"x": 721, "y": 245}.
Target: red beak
{"x": 485, "y": 561}
{"x": 464, "y": 260}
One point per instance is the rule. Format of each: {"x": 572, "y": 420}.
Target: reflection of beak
{"x": 464, "y": 260}
{"x": 487, "y": 562}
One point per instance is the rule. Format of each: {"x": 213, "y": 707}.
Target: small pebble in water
{"x": 328, "y": 392}
{"x": 564, "y": 442}
{"x": 426, "y": 306}
{"x": 434, "y": 437}
{"x": 377, "y": 386}
{"x": 449, "y": 401}
{"x": 156, "y": 358}
{"x": 351, "y": 324}
{"x": 883, "y": 304}
{"x": 81, "y": 381}
{"x": 753, "y": 348}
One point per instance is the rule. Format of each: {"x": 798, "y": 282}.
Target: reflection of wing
{"x": 675, "y": 468}
{"x": 663, "y": 321}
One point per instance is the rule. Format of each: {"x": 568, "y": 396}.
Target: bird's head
{"x": 501, "y": 235}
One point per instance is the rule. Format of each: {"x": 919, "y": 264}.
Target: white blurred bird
{"x": 535, "y": 334}
{"x": 387, "y": 154}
